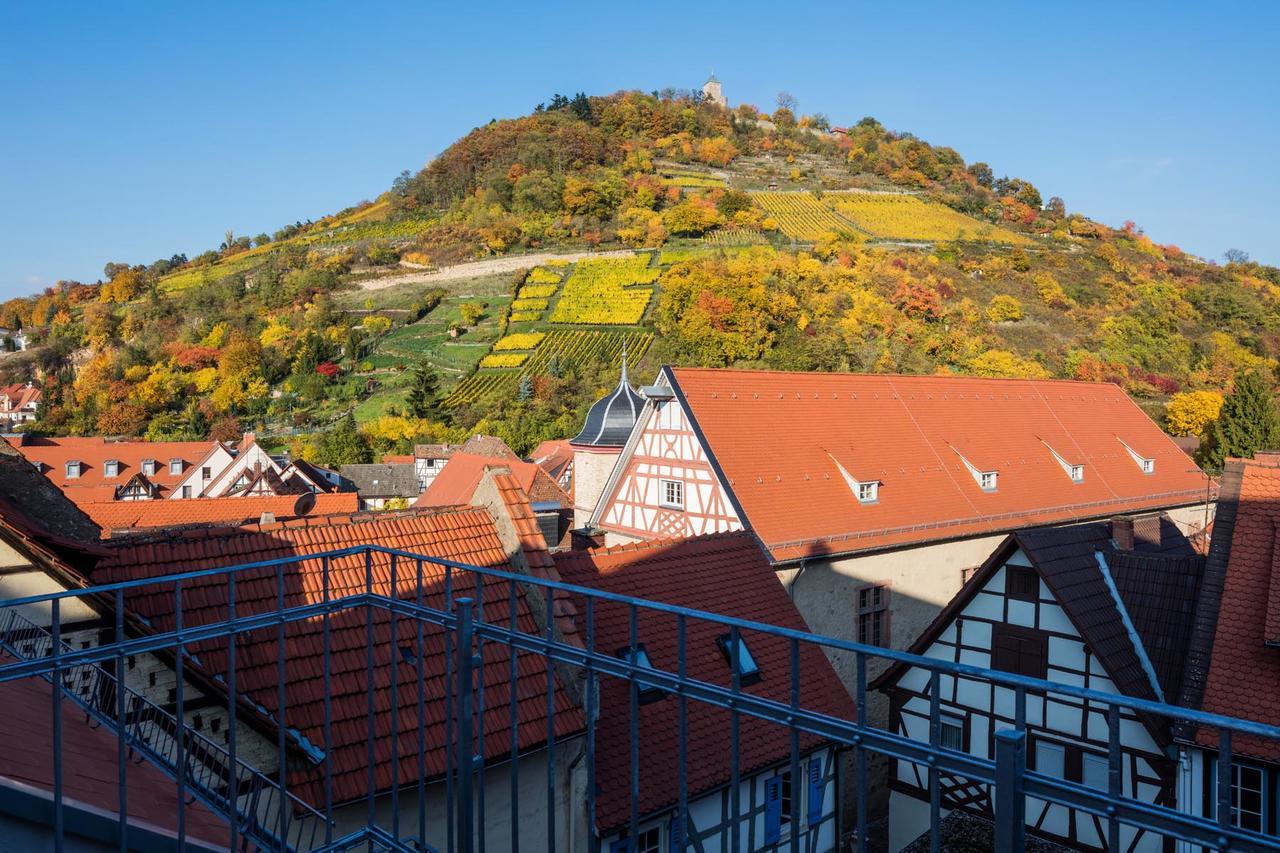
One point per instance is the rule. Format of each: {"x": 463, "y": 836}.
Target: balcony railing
{"x": 403, "y": 814}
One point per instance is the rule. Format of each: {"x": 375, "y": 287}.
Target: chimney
{"x": 267, "y": 518}
{"x": 1122, "y": 532}
{"x": 1137, "y": 531}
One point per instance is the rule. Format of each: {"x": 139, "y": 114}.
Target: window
{"x": 1051, "y": 759}
{"x": 1248, "y": 800}
{"x": 869, "y": 493}
{"x": 73, "y": 470}
{"x": 186, "y": 491}
{"x": 748, "y": 669}
{"x": 966, "y": 575}
{"x": 175, "y": 467}
{"x": 149, "y": 467}
{"x": 638, "y": 656}
{"x": 649, "y": 840}
{"x": 780, "y": 807}
{"x": 1148, "y": 466}
{"x": 673, "y": 494}
{"x": 987, "y": 479}
{"x": 1023, "y": 651}
{"x": 873, "y": 615}
{"x": 1095, "y": 771}
{"x": 1021, "y": 584}
{"x": 206, "y": 472}
{"x": 951, "y": 732}
{"x": 1077, "y": 473}
{"x": 111, "y": 468}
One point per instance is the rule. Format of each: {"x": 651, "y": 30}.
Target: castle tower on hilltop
{"x": 713, "y": 92}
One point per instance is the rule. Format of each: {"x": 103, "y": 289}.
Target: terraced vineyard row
{"x": 603, "y": 292}
{"x": 568, "y": 347}
{"x": 896, "y": 216}
{"x": 801, "y": 216}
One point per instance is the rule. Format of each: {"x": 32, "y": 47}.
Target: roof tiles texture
{"x": 781, "y": 440}
{"x": 1243, "y": 678}
{"x": 725, "y": 574}
{"x": 456, "y": 483}
{"x": 93, "y": 484}
{"x": 113, "y": 515}
{"x": 465, "y": 536}
{"x": 89, "y": 771}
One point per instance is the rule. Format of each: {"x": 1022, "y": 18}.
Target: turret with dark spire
{"x": 610, "y": 419}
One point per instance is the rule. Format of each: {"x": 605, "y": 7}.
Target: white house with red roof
{"x": 18, "y": 405}
{"x": 876, "y": 496}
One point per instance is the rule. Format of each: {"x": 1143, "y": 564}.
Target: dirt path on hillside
{"x": 492, "y": 266}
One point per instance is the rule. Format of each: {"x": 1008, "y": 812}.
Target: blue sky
{"x": 130, "y": 131}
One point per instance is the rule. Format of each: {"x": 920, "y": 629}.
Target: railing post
{"x": 1011, "y": 805}
{"x": 464, "y": 752}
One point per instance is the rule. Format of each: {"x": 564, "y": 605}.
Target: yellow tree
{"x": 1191, "y": 412}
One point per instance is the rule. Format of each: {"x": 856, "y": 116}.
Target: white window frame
{"x": 645, "y": 830}
{"x": 149, "y": 467}
{"x": 111, "y": 468}
{"x": 664, "y": 493}
{"x": 954, "y": 721}
{"x": 73, "y": 465}
{"x": 988, "y": 480}
{"x": 187, "y": 491}
{"x": 1264, "y": 791}
{"x": 868, "y": 491}
{"x": 175, "y": 464}
{"x": 1076, "y": 473}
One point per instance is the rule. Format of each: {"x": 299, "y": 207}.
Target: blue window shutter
{"x": 816, "y": 787}
{"x": 773, "y": 810}
{"x": 622, "y": 846}
{"x": 676, "y": 834}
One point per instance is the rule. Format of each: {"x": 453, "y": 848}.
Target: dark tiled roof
{"x": 725, "y": 574}
{"x": 383, "y": 481}
{"x": 610, "y": 419}
{"x": 42, "y": 503}
{"x": 1160, "y": 594}
{"x": 467, "y": 536}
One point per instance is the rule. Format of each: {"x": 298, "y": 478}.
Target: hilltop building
{"x": 714, "y": 92}
{"x": 18, "y": 405}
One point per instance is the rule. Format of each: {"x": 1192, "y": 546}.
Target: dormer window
{"x": 111, "y": 468}
{"x": 1074, "y": 470}
{"x": 869, "y": 493}
{"x": 175, "y": 467}
{"x": 73, "y": 470}
{"x": 1144, "y": 463}
{"x": 149, "y": 467}
{"x": 987, "y": 480}
{"x": 638, "y": 657}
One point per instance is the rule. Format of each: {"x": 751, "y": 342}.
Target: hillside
{"x": 679, "y": 230}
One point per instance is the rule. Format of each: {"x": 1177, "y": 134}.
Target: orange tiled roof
{"x": 467, "y": 536}
{"x": 1243, "y": 678}
{"x": 120, "y": 515}
{"x": 727, "y": 574}
{"x": 781, "y": 441}
{"x": 93, "y": 485}
{"x": 457, "y": 482}
{"x": 15, "y": 398}
{"x": 89, "y": 770}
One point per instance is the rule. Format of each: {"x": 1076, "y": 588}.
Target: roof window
{"x": 866, "y": 491}
{"x": 175, "y": 466}
{"x": 1145, "y": 464}
{"x": 73, "y": 469}
{"x": 149, "y": 467}
{"x": 986, "y": 480}
{"x": 748, "y": 669}
{"x": 637, "y": 656}
{"x": 111, "y": 468}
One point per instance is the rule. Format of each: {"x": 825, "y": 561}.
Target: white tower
{"x": 713, "y": 92}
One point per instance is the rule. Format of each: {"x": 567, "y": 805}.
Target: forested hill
{"x": 733, "y": 238}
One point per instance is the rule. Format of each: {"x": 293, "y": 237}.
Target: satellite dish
{"x": 304, "y": 504}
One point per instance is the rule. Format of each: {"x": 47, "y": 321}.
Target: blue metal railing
{"x": 467, "y": 628}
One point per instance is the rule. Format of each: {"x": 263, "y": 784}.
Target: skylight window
{"x": 748, "y": 669}
{"x": 637, "y": 656}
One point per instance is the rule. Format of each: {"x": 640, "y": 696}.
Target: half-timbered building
{"x": 875, "y": 497}
{"x": 1096, "y": 605}
{"x": 728, "y": 575}
{"x": 599, "y": 443}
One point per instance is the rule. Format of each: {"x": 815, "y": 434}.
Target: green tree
{"x": 471, "y": 312}
{"x": 1248, "y": 422}
{"x": 424, "y": 393}
{"x": 525, "y": 392}
{"x": 343, "y": 445}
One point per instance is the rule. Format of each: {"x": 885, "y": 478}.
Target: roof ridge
{"x": 908, "y": 376}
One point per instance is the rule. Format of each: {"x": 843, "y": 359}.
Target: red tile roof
{"x": 1243, "y": 678}
{"x": 93, "y": 485}
{"x": 457, "y": 482}
{"x": 554, "y": 457}
{"x": 132, "y": 515}
{"x": 463, "y": 535}
{"x": 15, "y": 398}
{"x": 395, "y": 459}
{"x": 728, "y": 575}
{"x": 534, "y": 548}
{"x": 89, "y": 769}
{"x": 781, "y": 440}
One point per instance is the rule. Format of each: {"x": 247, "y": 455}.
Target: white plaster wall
{"x": 591, "y": 470}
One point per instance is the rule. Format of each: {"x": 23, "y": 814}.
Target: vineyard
{"x": 568, "y": 348}
{"x": 602, "y": 292}
{"x": 504, "y": 359}
{"x": 801, "y": 216}
{"x": 735, "y": 237}
{"x": 905, "y": 217}
{"x": 520, "y": 341}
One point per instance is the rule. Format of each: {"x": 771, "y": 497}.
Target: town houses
{"x": 18, "y": 405}
{"x": 1039, "y": 529}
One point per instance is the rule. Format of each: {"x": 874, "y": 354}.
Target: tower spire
{"x": 623, "y": 381}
